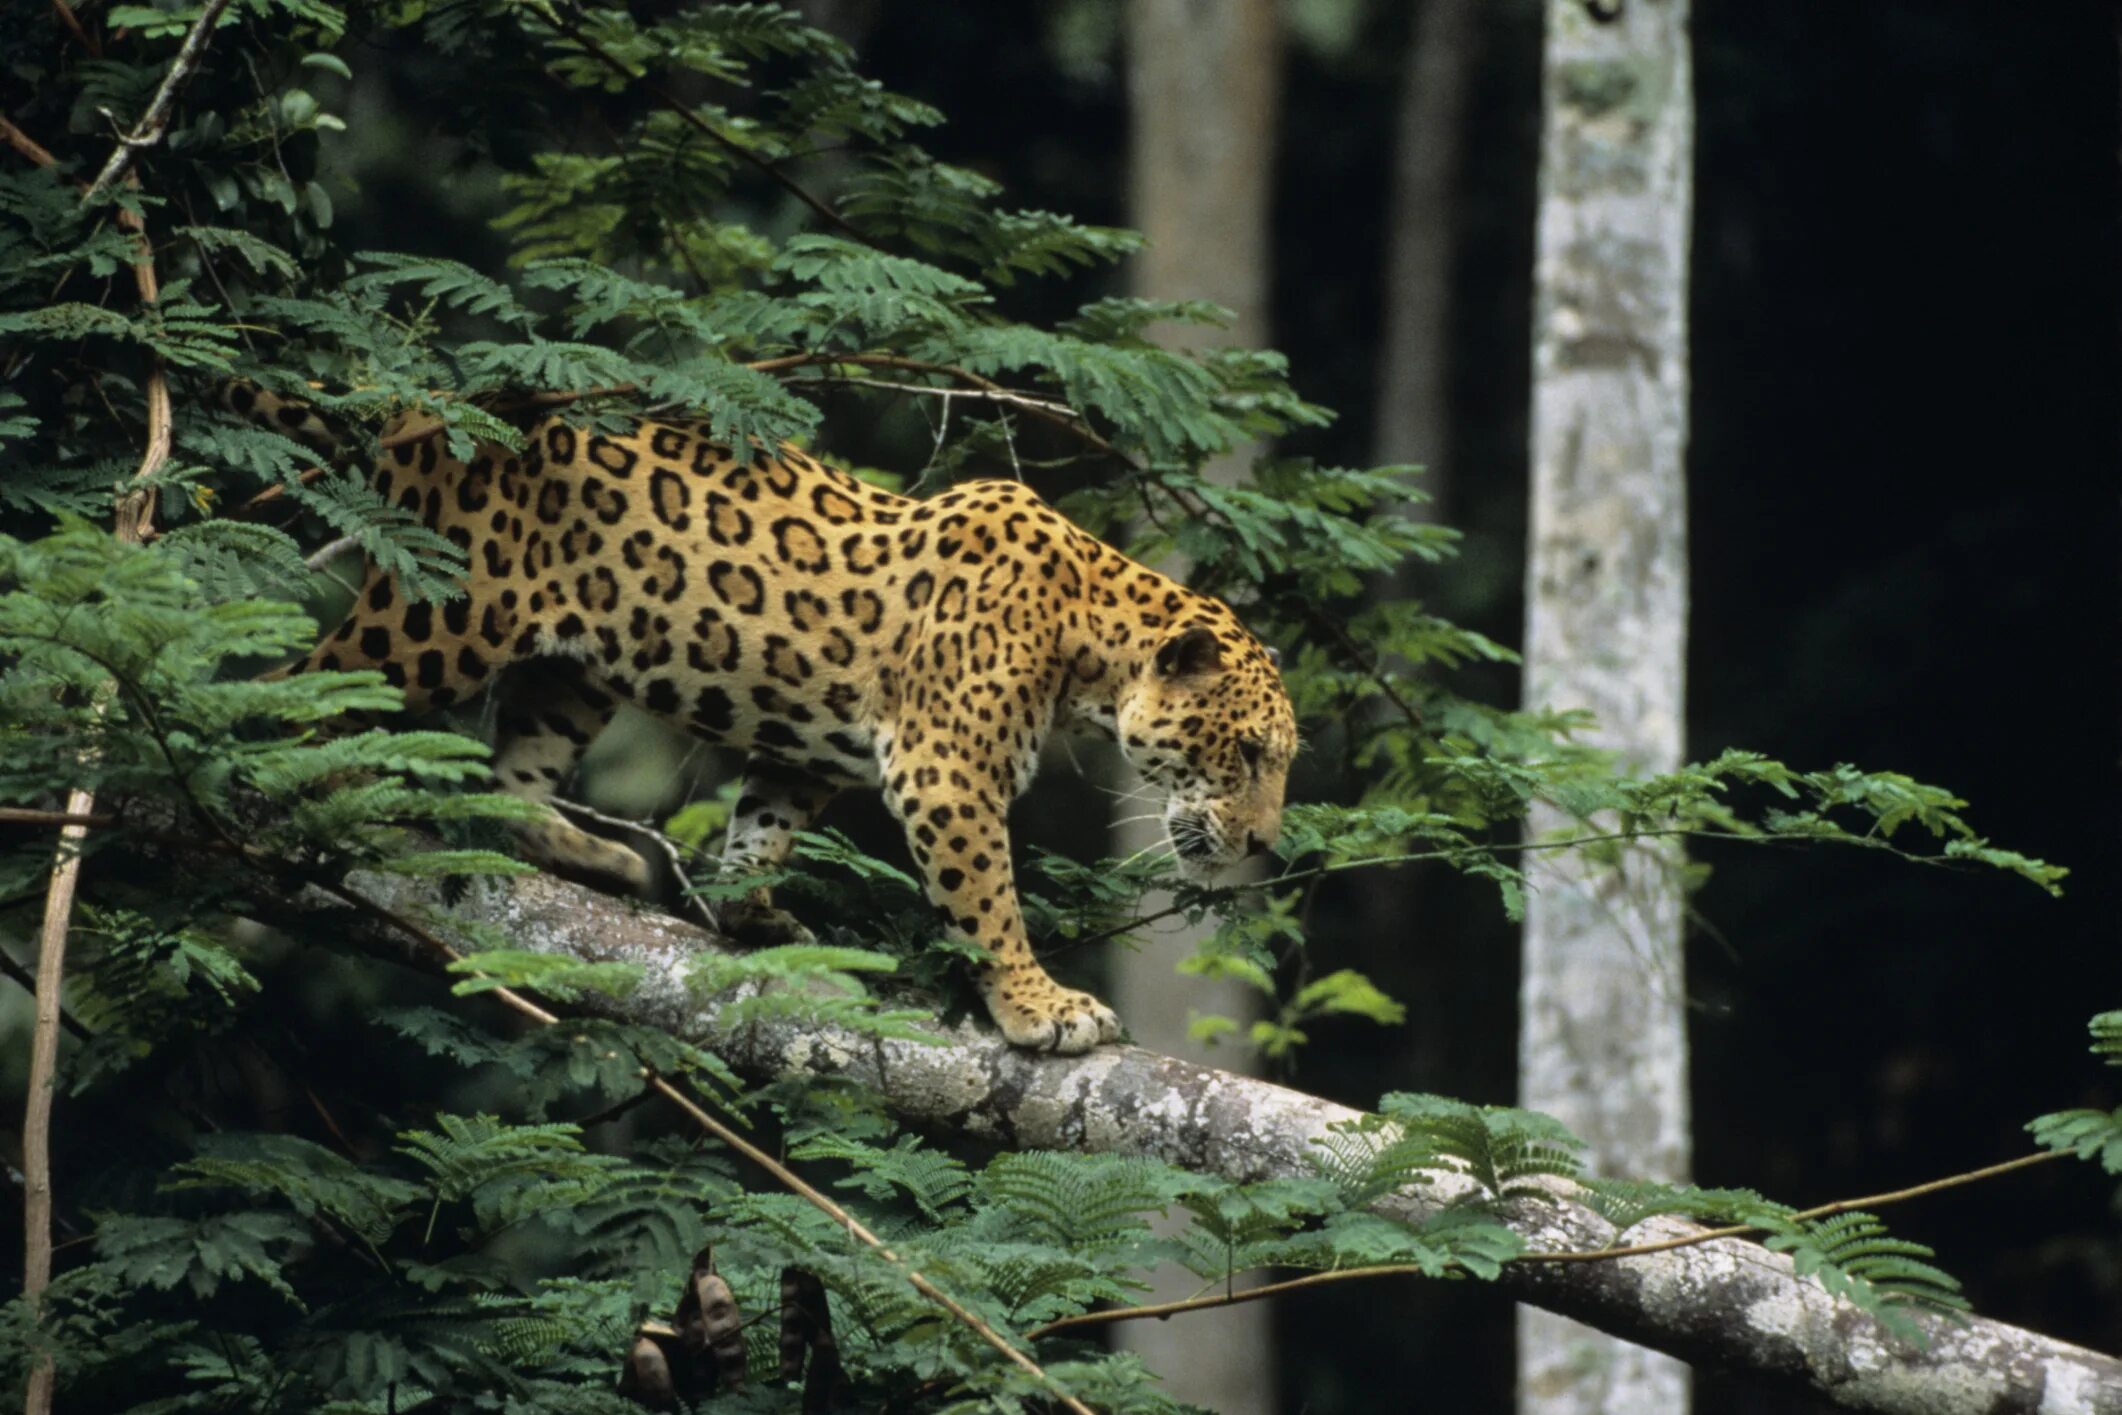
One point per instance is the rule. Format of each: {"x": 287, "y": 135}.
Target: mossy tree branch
{"x": 1724, "y": 1303}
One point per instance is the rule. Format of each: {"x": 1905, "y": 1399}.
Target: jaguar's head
{"x": 1207, "y": 720}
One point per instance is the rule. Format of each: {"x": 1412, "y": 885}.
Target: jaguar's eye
{"x": 1250, "y": 749}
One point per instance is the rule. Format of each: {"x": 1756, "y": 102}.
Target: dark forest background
{"x": 1905, "y": 542}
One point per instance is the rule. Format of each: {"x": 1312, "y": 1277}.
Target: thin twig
{"x": 17, "y": 815}
{"x": 23, "y": 143}
{"x": 66, "y": 16}
{"x": 616, "y": 1109}
{"x": 273, "y": 494}
{"x": 1353, "y": 651}
{"x": 1161, "y": 1310}
{"x": 1060, "y": 415}
{"x": 1839, "y": 1206}
{"x": 672, "y": 850}
{"x": 148, "y": 131}
{"x": 27, "y": 981}
{"x": 1220, "y": 1299}
{"x": 977, "y": 395}
{"x": 324, "y": 554}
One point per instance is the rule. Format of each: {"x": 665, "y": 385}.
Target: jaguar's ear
{"x": 1194, "y": 650}
{"x": 1274, "y": 656}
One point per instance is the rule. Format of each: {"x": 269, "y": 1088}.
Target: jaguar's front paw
{"x": 1040, "y": 1015}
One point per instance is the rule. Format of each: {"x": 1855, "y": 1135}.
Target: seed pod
{"x": 807, "y": 1326}
{"x": 646, "y": 1378}
{"x": 709, "y": 1323}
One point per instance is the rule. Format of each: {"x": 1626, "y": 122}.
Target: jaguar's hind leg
{"x": 775, "y": 802}
{"x": 550, "y": 711}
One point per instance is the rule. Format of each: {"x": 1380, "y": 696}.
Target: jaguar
{"x": 840, "y": 635}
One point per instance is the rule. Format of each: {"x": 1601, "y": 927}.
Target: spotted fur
{"x": 843, "y": 636}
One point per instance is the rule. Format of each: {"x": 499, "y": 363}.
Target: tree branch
{"x": 1720, "y": 1303}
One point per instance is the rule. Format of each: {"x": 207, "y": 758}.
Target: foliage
{"x": 474, "y": 1217}
{"x": 2089, "y": 1134}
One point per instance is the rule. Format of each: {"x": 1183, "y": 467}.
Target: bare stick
{"x": 331, "y": 550}
{"x": 977, "y": 395}
{"x": 43, "y": 1069}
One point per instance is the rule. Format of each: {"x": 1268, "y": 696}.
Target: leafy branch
{"x": 441, "y": 952}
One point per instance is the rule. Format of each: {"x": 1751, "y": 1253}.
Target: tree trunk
{"x": 1203, "y": 89}
{"x": 1603, "y": 1043}
{"x": 1413, "y": 419}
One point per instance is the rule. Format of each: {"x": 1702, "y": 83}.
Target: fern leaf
{"x": 935, "y": 1182}
{"x": 202, "y": 1254}
{"x": 447, "y": 281}
{"x": 311, "y": 1179}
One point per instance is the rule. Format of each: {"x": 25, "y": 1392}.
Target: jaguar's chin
{"x": 1201, "y": 872}
{"x": 1197, "y": 847}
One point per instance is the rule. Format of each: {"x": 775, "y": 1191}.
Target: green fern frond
{"x": 2106, "y": 1030}
{"x": 311, "y": 1179}
{"x": 426, "y": 566}
{"x": 1627, "y": 1202}
{"x": 202, "y": 1254}
{"x": 1503, "y": 1150}
{"x": 507, "y": 1172}
{"x": 935, "y": 1182}
{"x": 1081, "y": 1202}
{"x": 447, "y": 281}
{"x": 237, "y": 559}
{"x": 1854, "y": 1257}
{"x": 1366, "y": 1159}
{"x": 559, "y": 976}
{"x": 2088, "y": 1134}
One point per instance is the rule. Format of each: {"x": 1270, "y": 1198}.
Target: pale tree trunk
{"x": 1413, "y": 419}
{"x": 1203, "y": 89}
{"x": 1603, "y": 1041}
